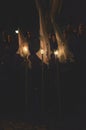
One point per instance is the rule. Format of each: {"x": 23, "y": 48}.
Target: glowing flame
{"x": 56, "y": 53}
{"x": 44, "y": 41}
{"x": 55, "y": 6}
{"x": 42, "y": 51}
{"x": 25, "y": 50}
{"x": 63, "y": 51}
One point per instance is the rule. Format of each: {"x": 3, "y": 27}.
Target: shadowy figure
{"x": 53, "y": 43}
{"x": 82, "y": 69}
{"x": 37, "y": 75}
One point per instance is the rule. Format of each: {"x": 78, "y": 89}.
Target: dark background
{"x": 24, "y": 13}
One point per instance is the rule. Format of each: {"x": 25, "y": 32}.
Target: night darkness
{"x": 25, "y": 15}
{"x": 68, "y": 78}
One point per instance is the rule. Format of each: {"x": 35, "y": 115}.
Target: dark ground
{"x": 44, "y": 107}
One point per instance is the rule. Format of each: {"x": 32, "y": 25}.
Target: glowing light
{"x": 42, "y": 51}
{"x": 16, "y": 31}
{"x": 25, "y": 50}
{"x": 56, "y": 52}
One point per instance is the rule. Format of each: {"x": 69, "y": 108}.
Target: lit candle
{"x": 25, "y": 50}
{"x": 42, "y": 53}
{"x": 56, "y": 53}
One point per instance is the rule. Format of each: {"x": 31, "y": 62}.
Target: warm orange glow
{"x": 42, "y": 51}
{"x": 25, "y": 50}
